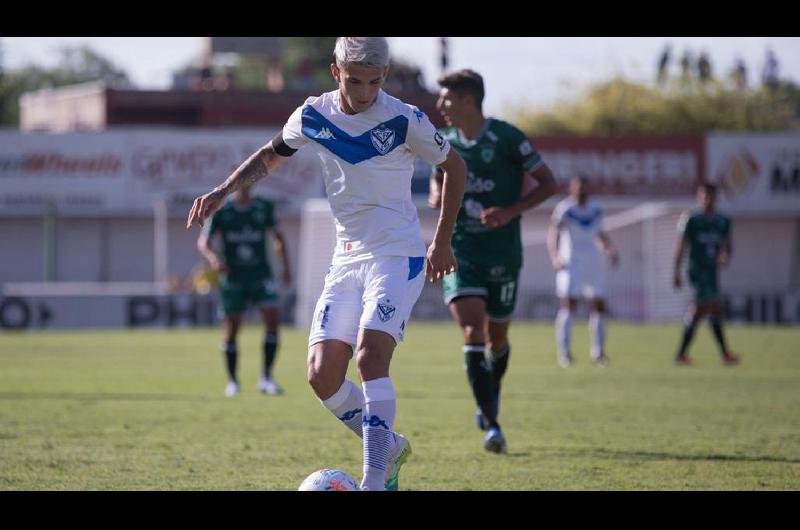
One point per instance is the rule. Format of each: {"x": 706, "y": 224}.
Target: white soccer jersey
{"x": 578, "y": 229}
{"x": 368, "y": 161}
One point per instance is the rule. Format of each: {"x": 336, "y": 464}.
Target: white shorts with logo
{"x": 582, "y": 280}
{"x": 373, "y": 294}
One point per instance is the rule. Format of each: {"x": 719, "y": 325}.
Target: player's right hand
{"x": 677, "y": 281}
{"x": 204, "y": 206}
{"x": 557, "y": 264}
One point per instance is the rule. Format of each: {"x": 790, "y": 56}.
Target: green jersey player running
{"x": 708, "y": 236}
{"x": 482, "y": 292}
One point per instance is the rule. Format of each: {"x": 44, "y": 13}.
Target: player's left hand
{"x": 440, "y": 261}
{"x": 723, "y": 259}
{"x": 495, "y": 217}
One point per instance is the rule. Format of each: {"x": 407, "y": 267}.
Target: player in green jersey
{"x": 246, "y": 277}
{"x": 482, "y": 293}
{"x": 707, "y": 234}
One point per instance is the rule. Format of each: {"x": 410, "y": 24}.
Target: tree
{"x": 76, "y": 64}
{"x": 622, "y": 107}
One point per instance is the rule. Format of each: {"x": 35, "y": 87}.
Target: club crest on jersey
{"x": 487, "y": 153}
{"x": 382, "y": 139}
{"x": 385, "y": 311}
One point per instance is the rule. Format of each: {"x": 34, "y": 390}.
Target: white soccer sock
{"x": 563, "y": 331}
{"x": 597, "y": 328}
{"x": 379, "y": 412}
{"x": 347, "y": 404}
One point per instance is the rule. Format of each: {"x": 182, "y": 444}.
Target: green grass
{"x": 145, "y": 411}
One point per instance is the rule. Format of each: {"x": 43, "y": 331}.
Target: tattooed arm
{"x": 256, "y": 167}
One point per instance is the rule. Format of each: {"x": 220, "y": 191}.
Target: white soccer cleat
{"x": 269, "y": 386}
{"x": 232, "y": 389}
{"x": 564, "y": 361}
{"x": 397, "y": 457}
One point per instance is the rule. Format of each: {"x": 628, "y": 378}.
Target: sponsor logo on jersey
{"x": 382, "y": 139}
{"x": 439, "y": 140}
{"x": 473, "y": 208}
{"x": 477, "y": 184}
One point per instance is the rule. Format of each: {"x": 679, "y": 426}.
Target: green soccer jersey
{"x": 496, "y": 162}
{"x": 705, "y": 235}
{"x": 244, "y": 235}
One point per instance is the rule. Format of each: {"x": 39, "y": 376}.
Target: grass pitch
{"x": 145, "y": 410}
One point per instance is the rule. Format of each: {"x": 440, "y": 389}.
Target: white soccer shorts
{"x": 575, "y": 281}
{"x": 373, "y": 294}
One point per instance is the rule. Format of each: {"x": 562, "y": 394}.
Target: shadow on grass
{"x": 647, "y": 455}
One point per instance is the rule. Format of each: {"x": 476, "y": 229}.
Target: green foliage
{"x": 76, "y": 64}
{"x": 623, "y": 107}
{"x": 144, "y": 410}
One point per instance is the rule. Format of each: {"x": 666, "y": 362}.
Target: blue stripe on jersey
{"x": 415, "y": 267}
{"x": 378, "y": 141}
{"x": 585, "y": 222}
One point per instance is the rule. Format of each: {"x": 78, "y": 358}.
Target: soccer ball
{"x": 329, "y": 480}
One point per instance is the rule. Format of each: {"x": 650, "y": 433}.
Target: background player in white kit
{"x": 575, "y": 231}
{"x": 368, "y": 142}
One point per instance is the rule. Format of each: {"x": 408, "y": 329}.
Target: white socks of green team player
{"x": 379, "y": 412}
{"x": 347, "y": 404}
{"x": 597, "y": 328}
{"x": 563, "y": 332}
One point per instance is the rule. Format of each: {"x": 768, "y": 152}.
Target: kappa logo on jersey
{"x": 525, "y": 148}
{"x": 325, "y": 134}
{"x": 382, "y": 139}
{"x": 419, "y": 116}
{"x": 385, "y": 311}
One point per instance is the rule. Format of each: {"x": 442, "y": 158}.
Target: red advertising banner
{"x": 652, "y": 166}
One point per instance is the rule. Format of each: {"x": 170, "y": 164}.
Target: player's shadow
{"x": 647, "y": 455}
{"x": 100, "y": 396}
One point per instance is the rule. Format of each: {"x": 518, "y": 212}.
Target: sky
{"x": 532, "y": 71}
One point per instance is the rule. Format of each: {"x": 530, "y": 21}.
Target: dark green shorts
{"x": 236, "y": 294}
{"x": 704, "y": 283}
{"x": 497, "y": 284}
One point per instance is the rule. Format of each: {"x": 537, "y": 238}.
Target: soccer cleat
{"x": 730, "y": 359}
{"x": 683, "y": 360}
{"x": 400, "y": 453}
{"x": 601, "y": 360}
{"x": 232, "y": 389}
{"x": 494, "y": 441}
{"x": 564, "y": 361}
{"x": 269, "y": 386}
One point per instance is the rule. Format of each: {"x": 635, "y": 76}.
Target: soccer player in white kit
{"x": 367, "y": 141}
{"x": 575, "y": 232}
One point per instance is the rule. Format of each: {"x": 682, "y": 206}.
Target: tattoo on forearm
{"x": 251, "y": 171}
